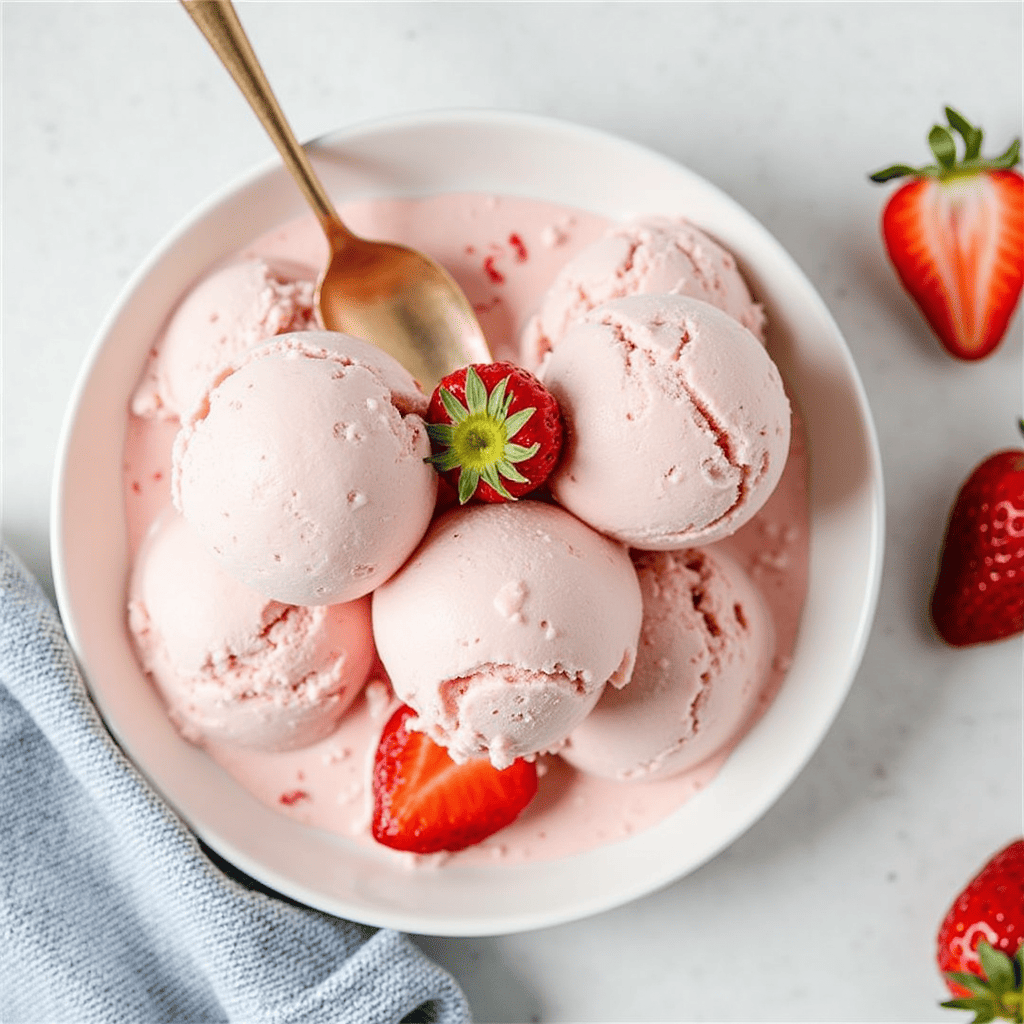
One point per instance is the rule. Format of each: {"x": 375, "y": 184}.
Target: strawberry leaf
{"x": 975, "y": 985}
{"x": 517, "y": 421}
{"x": 444, "y": 461}
{"x": 1010, "y": 158}
{"x": 468, "y": 479}
{"x": 894, "y": 171}
{"x": 509, "y": 472}
{"x": 490, "y": 475}
{"x": 476, "y": 393}
{"x": 517, "y": 453}
{"x": 981, "y": 1008}
{"x": 440, "y": 432}
{"x": 455, "y": 409}
{"x": 942, "y": 144}
{"x": 497, "y": 400}
{"x": 998, "y": 968}
{"x": 972, "y": 136}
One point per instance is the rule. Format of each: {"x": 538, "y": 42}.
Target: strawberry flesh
{"x": 979, "y": 591}
{"x": 958, "y": 248}
{"x": 424, "y": 802}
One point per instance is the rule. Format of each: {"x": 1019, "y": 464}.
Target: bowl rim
{"x": 655, "y": 877}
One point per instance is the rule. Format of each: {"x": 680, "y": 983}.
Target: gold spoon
{"x": 395, "y": 297}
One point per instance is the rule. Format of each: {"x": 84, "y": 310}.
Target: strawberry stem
{"x": 943, "y": 145}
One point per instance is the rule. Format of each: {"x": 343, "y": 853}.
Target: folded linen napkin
{"x": 111, "y": 911}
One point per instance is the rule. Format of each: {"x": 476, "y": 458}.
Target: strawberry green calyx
{"x": 943, "y": 145}
{"x": 478, "y": 441}
{"x": 998, "y": 995}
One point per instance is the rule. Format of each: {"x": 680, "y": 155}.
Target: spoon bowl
{"x": 402, "y": 301}
{"x": 395, "y": 297}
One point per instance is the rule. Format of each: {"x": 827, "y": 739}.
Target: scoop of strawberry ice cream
{"x": 230, "y": 311}
{"x": 233, "y": 666}
{"x": 302, "y": 470}
{"x": 503, "y": 628}
{"x": 651, "y": 255}
{"x": 706, "y": 646}
{"x": 677, "y": 423}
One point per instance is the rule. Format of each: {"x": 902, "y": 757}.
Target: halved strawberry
{"x": 979, "y": 590}
{"x": 424, "y": 802}
{"x": 955, "y": 235}
{"x": 474, "y": 415}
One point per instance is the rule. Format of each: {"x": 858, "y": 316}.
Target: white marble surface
{"x": 117, "y": 122}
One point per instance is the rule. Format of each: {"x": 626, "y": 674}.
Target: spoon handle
{"x": 218, "y": 21}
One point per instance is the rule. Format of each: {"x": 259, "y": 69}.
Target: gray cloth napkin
{"x": 110, "y": 910}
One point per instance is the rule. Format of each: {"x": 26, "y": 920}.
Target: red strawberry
{"x": 424, "y": 802}
{"x": 473, "y": 417}
{"x": 979, "y": 591}
{"x": 955, "y": 234}
{"x": 980, "y": 946}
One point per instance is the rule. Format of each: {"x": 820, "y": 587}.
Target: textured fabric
{"x": 111, "y": 911}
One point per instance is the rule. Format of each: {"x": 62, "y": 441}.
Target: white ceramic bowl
{"x": 539, "y": 158}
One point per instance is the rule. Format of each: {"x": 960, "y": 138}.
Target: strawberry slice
{"x": 424, "y": 802}
{"x": 979, "y": 591}
{"x": 955, "y": 235}
{"x": 495, "y": 430}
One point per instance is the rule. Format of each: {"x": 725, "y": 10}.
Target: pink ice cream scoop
{"x": 706, "y": 646}
{"x": 303, "y": 469}
{"x": 233, "y": 666}
{"x": 230, "y": 311}
{"x": 651, "y": 255}
{"x": 677, "y": 421}
{"x": 503, "y": 628}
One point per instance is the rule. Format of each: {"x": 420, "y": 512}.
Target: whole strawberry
{"x": 979, "y": 590}
{"x": 980, "y": 944}
{"x": 955, "y": 234}
{"x": 424, "y": 802}
{"x": 495, "y": 431}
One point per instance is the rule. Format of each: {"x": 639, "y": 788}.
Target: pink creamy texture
{"x": 232, "y": 664}
{"x": 651, "y": 255}
{"x": 667, "y": 397}
{"x": 224, "y": 315}
{"x": 303, "y": 470}
{"x": 509, "y": 685}
{"x": 704, "y": 649}
{"x": 504, "y": 252}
